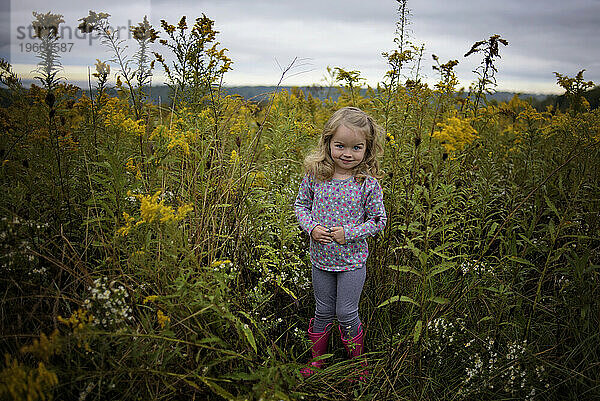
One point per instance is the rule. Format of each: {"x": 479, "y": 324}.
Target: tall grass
{"x": 182, "y": 273}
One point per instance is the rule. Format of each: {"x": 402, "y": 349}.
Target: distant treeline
{"x": 260, "y": 94}
{"x": 560, "y": 101}
{"x": 162, "y": 95}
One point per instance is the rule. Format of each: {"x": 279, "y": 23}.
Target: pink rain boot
{"x": 319, "y": 347}
{"x": 355, "y": 347}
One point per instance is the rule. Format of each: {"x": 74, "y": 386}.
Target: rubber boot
{"x": 319, "y": 347}
{"x": 355, "y": 348}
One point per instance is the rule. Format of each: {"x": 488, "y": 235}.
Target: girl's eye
{"x": 357, "y": 148}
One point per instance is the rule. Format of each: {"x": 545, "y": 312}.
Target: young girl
{"x": 340, "y": 204}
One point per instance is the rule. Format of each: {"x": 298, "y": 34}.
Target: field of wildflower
{"x": 151, "y": 251}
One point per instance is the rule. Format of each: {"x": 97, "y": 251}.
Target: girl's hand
{"x": 338, "y": 235}
{"x": 322, "y": 235}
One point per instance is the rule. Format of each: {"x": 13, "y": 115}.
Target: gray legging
{"x": 337, "y": 294}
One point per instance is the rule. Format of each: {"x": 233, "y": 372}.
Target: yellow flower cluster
{"x": 150, "y": 298}
{"x": 133, "y": 168}
{"x": 183, "y": 129}
{"x": 115, "y": 116}
{"x": 77, "y": 322}
{"x": 514, "y": 137}
{"x": 455, "y": 133}
{"x": 217, "y": 263}
{"x": 257, "y": 179}
{"x": 391, "y": 140}
{"x": 306, "y": 128}
{"x": 128, "y": 224}
{"x": 45, "y": 347}
{"x": 589, "y": 124}
{"x": 179, "y": 139}
{"x": 162, "y": 319}
{"x": 133, "y": 127}
{"x": 20, "y": 382}
{"x": 151, "y": 209}
{"x": 78, "y": 319}
{"x": 239, "y": 117}
{"x": 514, "y": 106}
{"x": 67, "y": 142}
{"x": 523, "y": 120}
{"x": 284, "y": 101}
{"x": 532, "y": 117}
{"x": 176, "y": 137}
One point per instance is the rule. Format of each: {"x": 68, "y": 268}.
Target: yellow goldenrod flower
{"x": 257, "y": 179}
{"x": 151, "y": 209}
{"x": 132, "y": 127}
{"x": 179, "y": 139}
{"x": 20, "y": 382}
{"x": 218, "y": 263}
{"x": 127, "y": 227}
{"x": 158, "y": 132}
{"x": 182, "y": 211}
{"x": 45, "y": 347}
{"x": 391, "y": 140}
{"x": 150, "y": 298}
{"x": 115, "y": 116}
{"x": 133, "y": 168}
{"x": 78, "y": 320}
{"x": 175, "y": 135}
{"x": 455, "y": 134}
{"x": 162, "y": 319}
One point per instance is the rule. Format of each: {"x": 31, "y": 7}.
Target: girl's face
{"x": 347, "y": 148}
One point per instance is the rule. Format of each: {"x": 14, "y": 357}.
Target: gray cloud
{"x": 544, "y": 36}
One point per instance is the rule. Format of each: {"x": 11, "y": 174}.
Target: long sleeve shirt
{"x": 356, "y": 207}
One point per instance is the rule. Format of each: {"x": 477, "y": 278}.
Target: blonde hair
{"x": 319, "y": 163}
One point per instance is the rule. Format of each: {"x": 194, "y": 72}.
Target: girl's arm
{"x": 375, "y": 217}
{"x": 303, "y": 204}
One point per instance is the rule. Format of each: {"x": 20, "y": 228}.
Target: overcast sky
{"x": 264, "y": 36}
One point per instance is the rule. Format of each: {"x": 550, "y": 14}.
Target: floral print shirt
{"x": 357, "y": 207}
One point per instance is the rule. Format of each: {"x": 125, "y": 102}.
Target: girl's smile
{"x": 347, "y": 148}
